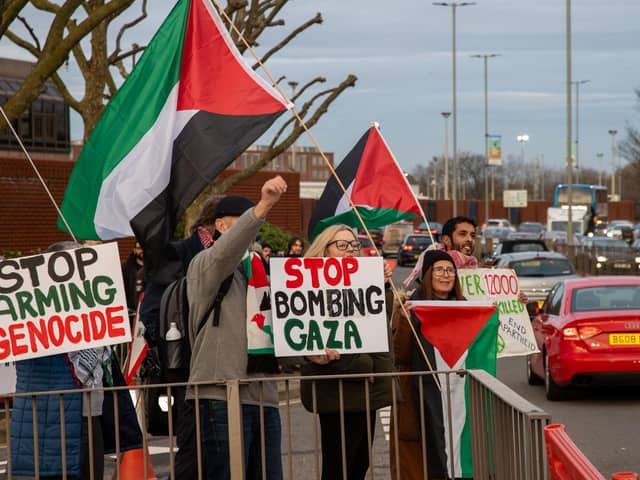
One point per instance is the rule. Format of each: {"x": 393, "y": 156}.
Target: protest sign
{"x": 62, "y": 301}
{"x": 336, "y": 303}
{"x": 500, "y": 285}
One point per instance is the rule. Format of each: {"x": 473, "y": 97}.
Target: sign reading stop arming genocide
{"x": 500, "y": 285}
{"x": 336, "y": 303}
{"x": 62, "y": 301}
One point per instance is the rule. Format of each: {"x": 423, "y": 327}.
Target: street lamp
{"x": 522, "y": 139}
{"x": 486, "y": 57}
{"x": 577, "y": 83}
{"x": 599, "y": 156}
{"x": 613, "y": 161}
{"x": 293, "y": 84}
{"x": 454, "y": 6}
{"x": 446, "y": 154}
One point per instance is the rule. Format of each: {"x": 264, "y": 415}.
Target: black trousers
{"x": 356, "y": 444}
{"x": 186, "y": 465}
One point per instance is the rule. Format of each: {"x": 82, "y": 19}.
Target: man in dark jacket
{"x": 130, "y": 269}
{"x": 178, "y": 256}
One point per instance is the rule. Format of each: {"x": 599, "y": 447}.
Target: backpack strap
{"x": 215, "y": 306}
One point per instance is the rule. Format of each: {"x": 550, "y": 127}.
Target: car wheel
{"x": 552, "y": 390}
{"x": 532, "y": 378}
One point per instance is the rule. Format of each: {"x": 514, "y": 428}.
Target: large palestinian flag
{"x": 455, "y": 336}
{"x": 188, "y": 109}
{"x": 377, "y": 187}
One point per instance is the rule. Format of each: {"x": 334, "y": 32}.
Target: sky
{"x": 402, "y": 55}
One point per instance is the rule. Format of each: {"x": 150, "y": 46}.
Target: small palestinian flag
{"x": 188, "y": 109}
{"x": 377, "y": 187}
{"x": 455, "y": 336}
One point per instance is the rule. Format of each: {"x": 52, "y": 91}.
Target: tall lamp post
{"x": 522, "y": 139}
{"x": 613, "y": 161}
{"x": 446, "y": 154}
{"x": 577, "y": 83}
{"x": 293, "y": 84}
{"x": 486, "y": 57}
{"x": 599, "y": 156}
{"x": 568, "y": 163}
{"x": 454, "y": 6}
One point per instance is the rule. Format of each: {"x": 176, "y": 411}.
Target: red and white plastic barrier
{"x": 567, "y": 462}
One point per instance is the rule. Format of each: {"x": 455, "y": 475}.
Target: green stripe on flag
{"x": 372, "y": 217}
{"x": 128, "y": 117}
{"x": 482, "y": 354}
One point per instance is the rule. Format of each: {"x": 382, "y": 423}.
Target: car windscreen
{"x": 542, "y": 267}
{"x": 530, "y": 228}
{"x": 609, "y": 243}
{"x": 609, "y": 297}
{"x": 419, "y": 241}
{"x": 365, "y": 242}
{"x": 527, "y": 247}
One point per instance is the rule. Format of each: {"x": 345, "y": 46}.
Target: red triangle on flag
{"x": 452, "y": 326}
{"x": 214, "y": 76}
{"x": 380, "y": 181}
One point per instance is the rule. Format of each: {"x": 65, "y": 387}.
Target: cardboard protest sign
{"x": 62, "y": 301}
{"x": 336, "y": 303}
{"x": 500, "y": 285}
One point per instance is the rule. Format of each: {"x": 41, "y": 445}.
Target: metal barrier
{"x": 506, "y": 430}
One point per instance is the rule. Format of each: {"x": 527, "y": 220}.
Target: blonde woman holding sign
{"x": 340, "y": 241}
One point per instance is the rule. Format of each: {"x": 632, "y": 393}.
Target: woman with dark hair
{"x": 438, "y": 281}
{"x": 295, "y": 247}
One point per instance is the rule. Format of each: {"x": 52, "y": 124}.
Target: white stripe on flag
{"x": 142, "y": 174}
{"x": 458, "y": 408}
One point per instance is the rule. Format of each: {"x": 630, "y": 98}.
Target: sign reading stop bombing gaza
{"x": 62, "y": 301}
{"x": 500, "y": 285}
{"x": 336, "y": 303}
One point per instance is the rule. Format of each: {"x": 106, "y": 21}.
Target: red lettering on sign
{"x": 349, "y": 266}
{"x": 113, "y": 320}
{"x": 15, "y": 336}
{"x": 292, "y": 269}
{"x": 314, "y": 265}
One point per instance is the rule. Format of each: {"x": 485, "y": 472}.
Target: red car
{"x": 588, "y": 333}
{"x": 368, "y": 250}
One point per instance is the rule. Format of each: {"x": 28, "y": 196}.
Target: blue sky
{"x": 401, "y": 54}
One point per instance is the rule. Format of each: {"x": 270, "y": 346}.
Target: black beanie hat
{"x": 232, "y": 206}
{"x": 433, "y": 256}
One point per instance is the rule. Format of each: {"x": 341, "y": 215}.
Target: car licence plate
{"x": 624, "y": 339}
{"x": 622, "y": 265}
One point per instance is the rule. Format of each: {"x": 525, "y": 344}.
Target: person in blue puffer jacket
{"x": 95, "y": 367}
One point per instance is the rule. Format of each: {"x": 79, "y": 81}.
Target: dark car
{"x": 514, "y": 245}
{"x": 603, "y": 255}
{"x": 367, "y": 248}
{"x": 411, "y": 248}
{"x": 620, "y": 229}
{"x": 434, "y": 227}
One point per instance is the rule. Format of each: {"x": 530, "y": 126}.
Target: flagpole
{"x": 275, "y": 85}
{"x": 35, "y": 169}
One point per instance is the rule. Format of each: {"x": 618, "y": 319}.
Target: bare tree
{"x": 629, "y": 148}
{"x": 100, "y": 65}
{"x": 70, "y": 22}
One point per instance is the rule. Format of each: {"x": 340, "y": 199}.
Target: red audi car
{"x": 588, "y": 333}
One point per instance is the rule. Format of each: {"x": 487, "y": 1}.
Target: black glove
{"x": 150, "y": 366}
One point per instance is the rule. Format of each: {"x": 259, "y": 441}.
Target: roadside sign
{"x": 514, "y": 198}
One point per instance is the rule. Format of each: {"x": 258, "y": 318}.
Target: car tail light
{"x": 573, "y": 333}
{"x": 372, "y": 252}
{"x": 416, "y": 230}
{"x": 434, "y": 231}
{"x": 407, "y": 247}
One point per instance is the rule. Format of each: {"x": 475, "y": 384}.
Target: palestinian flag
{"x": 374, "y": 182}
{"x": 188, "y": 109}
{"x": 455, "y": 336}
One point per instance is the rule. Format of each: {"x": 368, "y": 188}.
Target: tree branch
{"x": 115, "y": 55}
{"x": 224, "y": 185}
{"x": 9, "y": 13}
{"x": 315, "y": 20}
{"x": 22, "y": 43}
{"x": 66, "y": 94}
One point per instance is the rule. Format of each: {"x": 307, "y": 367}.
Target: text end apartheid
{"x": 336, "y": 303}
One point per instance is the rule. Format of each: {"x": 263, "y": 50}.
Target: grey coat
{"x": 220, "y": 353}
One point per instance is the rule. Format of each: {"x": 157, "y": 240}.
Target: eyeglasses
{"x": 442, "y": 270}
{"x": 344, "y": 244}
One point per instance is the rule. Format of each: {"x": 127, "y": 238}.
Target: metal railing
{"x": 506, "y": 430}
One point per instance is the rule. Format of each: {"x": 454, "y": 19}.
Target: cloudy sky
{"x": 401, "y": 53}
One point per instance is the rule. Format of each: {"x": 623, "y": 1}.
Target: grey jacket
{"x": 220, "y": 353}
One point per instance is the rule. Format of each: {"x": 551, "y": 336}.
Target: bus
{"x": 594, "y": 197}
